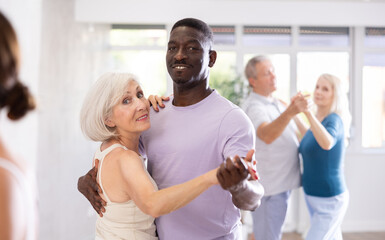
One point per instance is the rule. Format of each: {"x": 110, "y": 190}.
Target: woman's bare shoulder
{"x": 125, "y": 156}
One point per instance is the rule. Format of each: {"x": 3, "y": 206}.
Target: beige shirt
{"x": 278, "y": 162}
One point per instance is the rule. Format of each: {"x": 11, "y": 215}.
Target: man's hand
{"x": 231, "y": 173}
{"x": 299, "y": 103}
{"x": 232, "y": 176}
{"x": 88, "y": 186}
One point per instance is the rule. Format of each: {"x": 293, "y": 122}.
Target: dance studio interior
{"x": 67, "y": 44}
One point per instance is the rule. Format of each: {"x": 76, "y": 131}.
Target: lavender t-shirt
{"x": 185, "y": 142}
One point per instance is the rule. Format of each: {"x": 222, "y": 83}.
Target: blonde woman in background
{"x": 17, "y": 201}
{"x": 323, "y": 152}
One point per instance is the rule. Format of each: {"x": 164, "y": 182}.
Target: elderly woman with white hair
{"x": 115, "y": 112}
{"x": 323, "y": 152}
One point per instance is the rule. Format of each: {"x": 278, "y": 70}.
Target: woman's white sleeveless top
{"x": 122, "y": 220}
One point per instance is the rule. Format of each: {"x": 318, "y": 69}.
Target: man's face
{"x": 265, "y": 80}
{"x": 188, "y": 56}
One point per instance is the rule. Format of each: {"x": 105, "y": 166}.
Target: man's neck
{"x": 262, "y": 93}
{"x": 189, "y": 96}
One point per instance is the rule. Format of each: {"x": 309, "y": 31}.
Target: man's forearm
{"x": 247, "y": 195}
{"x": 269, "y": 132}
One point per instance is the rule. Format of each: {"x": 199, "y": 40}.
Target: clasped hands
{"x": 301, "y": 103}
{"x": 234, "y": 171}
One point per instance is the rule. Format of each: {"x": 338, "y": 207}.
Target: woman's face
{"x": 131, "y": 113}
{"x": 323, "y": 93}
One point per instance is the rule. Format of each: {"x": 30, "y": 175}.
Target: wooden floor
{"x": 347, "y": 236}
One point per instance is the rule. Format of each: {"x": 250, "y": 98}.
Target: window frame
{"x": 356, "y": 50}
{"x": 109, "y": 48}
{"x": 358, "y": 64}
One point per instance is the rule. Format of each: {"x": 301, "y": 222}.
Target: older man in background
{"x": 276, "y": 146}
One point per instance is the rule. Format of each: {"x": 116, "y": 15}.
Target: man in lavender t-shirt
{"x": 185, "y": 142}
{"x": 197, "y": 131}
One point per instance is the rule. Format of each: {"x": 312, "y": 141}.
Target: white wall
{"x": 70, "y": 59}
{"x": 331, "y": 13}
{"x": 366, "y": 182}
{"x": 63, "y": 56}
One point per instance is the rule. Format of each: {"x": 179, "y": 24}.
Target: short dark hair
{"x": 198, "y": 25}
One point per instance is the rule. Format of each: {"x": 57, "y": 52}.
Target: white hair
{"x": 250, "y": 69}
{"x": 340, "y": 104}
{"x": 98, "y": 104}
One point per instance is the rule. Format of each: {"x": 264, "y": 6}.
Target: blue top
{"x": 323, "y": 174}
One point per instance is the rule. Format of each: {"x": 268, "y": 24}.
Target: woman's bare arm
{"x": 321, "y": 135}
{"x": 157, "y": 203}
{"x": 13, "y": 225}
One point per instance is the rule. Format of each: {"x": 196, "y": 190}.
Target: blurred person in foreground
{"x": 18, "y": 218}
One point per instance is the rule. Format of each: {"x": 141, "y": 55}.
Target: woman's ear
{"x": 109, "y": 123}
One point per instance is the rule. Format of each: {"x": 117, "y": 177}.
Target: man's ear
{"x": 212, "y": 57}
{"x": 109, "y": 122}
{"x": 252, "y": 82}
